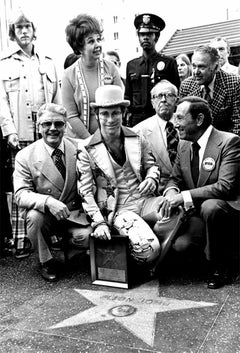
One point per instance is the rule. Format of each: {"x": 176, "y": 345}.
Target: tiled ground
{"x": 176, "y": 314}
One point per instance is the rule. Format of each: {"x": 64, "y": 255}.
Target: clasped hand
{"x": 102, "y": 232}
{"x": 57, "y": 208}
{"x": 171, "y": 200}
{"x": 147, "y": 186}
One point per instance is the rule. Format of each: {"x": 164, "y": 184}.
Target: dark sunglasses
{"x": 48, "y": 124}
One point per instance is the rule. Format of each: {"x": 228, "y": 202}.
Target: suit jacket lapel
{"x": 155, "y": 134}
{"x": 100, "y": 156}
{"x": 47, "y": 167}
{"x": 185, "y": 158}
{"x": 132, "y": 149}
{"x": 218, "y": 93}
{"x": 211, "y": 151}
{"x": 70, "y": 160}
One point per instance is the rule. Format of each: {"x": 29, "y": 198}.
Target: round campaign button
{"x": 122, "y": 310}
{"x": 208, "y": 164}
{"x": 160, "y": 65}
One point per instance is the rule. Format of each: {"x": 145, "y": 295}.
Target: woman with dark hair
{"x": 80, "y": 80}
{"x": 184, "y": 66}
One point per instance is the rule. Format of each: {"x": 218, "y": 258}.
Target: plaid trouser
{"x": 19, "y": 229}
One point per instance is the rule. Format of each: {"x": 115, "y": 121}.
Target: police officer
{"x": 144, "y": 72}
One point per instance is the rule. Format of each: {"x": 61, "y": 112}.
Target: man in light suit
{"x": 164, "y": 98}
{"x": 45, "y": 187}
{"x": 219, "y": 88}
{"x": 216, "y": 183}
{"x": 118, "y": 178}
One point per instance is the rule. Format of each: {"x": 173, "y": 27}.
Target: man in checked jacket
{"x": 220, "y": 89}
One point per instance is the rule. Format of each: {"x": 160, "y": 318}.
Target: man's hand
{"x": 172, "y": 200}
{"x": 147, "y": 186}
{"x": 57, "y": 208}
{"x": 13, "y": 141}
{"x": 102, "y": 232}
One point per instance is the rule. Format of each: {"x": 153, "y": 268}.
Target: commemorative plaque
{"x": 109, "y": 261}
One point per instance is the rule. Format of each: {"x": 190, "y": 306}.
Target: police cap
{"x": 148, "y": 22}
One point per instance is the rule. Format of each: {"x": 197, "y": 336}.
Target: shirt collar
{"x": 51, "y": 149}
{"x": 211, "y": 85}
{"x": 203, "y": 140}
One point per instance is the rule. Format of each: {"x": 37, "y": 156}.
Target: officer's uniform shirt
{"x": 141, "y": 76}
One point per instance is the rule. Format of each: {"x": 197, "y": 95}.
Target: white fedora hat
{"x": 109, "y": 96}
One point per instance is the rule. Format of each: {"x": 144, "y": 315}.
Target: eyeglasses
{"x": 48, "y": 124}
{"x": 167, "y": 96}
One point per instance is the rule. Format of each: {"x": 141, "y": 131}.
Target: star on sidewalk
{"x": 135, "y": 309}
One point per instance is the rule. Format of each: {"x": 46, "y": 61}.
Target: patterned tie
{"x": 59, "y": 162}
{"x": 206, "y": 94}
{"x": 195, "y": 162}
{"x": 172, "y": 141}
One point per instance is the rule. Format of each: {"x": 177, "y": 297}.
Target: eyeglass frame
{"x": 48, "y": 124}
{"x": 167, "y": 96}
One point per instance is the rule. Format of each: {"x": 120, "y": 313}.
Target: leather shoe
{"x": 48, "y": 271}
{"x": 215, "y": 280}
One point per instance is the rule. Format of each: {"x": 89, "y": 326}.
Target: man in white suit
{"x": 46, "y": 189}
{"x": 164, "y": 99}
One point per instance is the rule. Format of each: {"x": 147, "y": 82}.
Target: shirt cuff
{"x": 187, "y": 200}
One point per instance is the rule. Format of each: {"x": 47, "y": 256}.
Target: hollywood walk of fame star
{"x": 135, "y": 309}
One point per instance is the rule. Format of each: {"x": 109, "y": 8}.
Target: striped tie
{"x": 172, "y": 141}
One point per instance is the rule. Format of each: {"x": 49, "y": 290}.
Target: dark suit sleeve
{"x": 225, "y": 186}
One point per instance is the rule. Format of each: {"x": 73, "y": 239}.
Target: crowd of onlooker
{"x": 101, "y": 153}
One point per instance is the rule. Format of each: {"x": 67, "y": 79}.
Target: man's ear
{"x": 200, "y": 119}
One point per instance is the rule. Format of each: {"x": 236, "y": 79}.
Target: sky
{"x": 52, "y": 16}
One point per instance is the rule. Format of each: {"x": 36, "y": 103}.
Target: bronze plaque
{"x": 109, "y": 261}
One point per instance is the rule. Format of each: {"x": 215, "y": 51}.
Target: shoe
{"x": 48, "y": 271}
{"x": 215, "y": 280}
{"x": 22, "y": 253}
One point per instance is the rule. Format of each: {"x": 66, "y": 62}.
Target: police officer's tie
{"x": 195, "y": 162}
{"x": 172, "y": 141}
{"x": 57, "y": 157}
{"x": 206, "y": 94}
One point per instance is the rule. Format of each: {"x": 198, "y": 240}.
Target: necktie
{"x": 172, "y": 141}
{"x": 206, "y": 94}
{"x": 59, "y": 162}
{"x": 195, "y": 162}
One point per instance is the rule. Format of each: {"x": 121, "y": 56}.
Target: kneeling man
{"x": 118, "y": 178}
{"x": 45, "y": 185}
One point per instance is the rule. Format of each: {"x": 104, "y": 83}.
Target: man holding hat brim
{"x": 144, "y": 72}
{"x": 118, "y": 178}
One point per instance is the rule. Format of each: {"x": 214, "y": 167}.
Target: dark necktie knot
{"x": 57, "y": 153}
{"x": 172, "y": 141}
{"x": 195, "y": 147}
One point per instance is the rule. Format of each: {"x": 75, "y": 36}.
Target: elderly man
{"x": 144, "y": 72}
{"x": 28, "y": 79}
{"x": 219, "y": 88}
{"x": 205, "y": 177}
{"x": 118, "y": 177}
{"x": 223, "y": 48}
{"x": 45, "y": 185}
{"x": 159, "y": 130}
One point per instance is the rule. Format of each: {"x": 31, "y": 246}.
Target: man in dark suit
{"x": 206, "y": 180}
{"x": 219, "y": 88}
{"x": 144, "y": 72}
{"x": 45, "y": 185}
{"x": 159, "y": 131}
